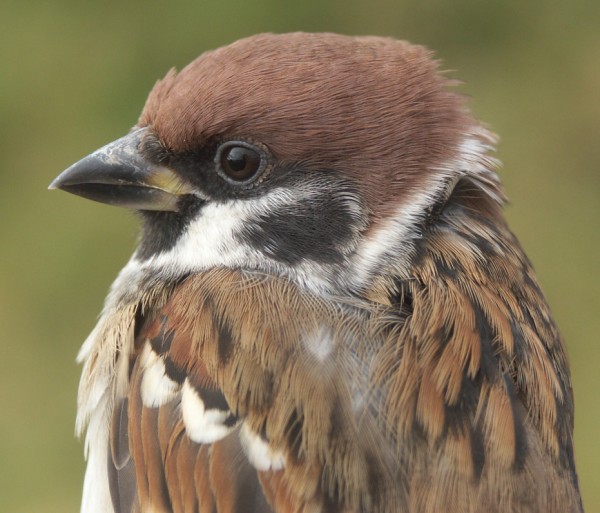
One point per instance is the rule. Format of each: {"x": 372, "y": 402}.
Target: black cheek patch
{"x": 318, "y": 229}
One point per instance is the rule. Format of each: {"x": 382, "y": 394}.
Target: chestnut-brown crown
{"x": 374, "y": 108}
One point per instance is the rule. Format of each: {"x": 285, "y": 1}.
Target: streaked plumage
{"x": 326, "y": 310}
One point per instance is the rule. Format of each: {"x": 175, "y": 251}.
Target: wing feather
{"x": 276, "y": 401}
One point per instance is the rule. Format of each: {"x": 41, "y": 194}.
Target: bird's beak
{"x": 119, "y": 174}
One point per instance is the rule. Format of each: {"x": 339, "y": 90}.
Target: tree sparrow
{"x": 326, "y": 311}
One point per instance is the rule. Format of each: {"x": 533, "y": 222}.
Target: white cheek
{"x": 209, "y": 240}
{"x": 212, "y": 240}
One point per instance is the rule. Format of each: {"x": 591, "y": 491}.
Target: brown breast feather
{"x": 450, "y": 393}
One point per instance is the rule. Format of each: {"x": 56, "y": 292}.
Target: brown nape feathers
{"x": 327, "y": 311}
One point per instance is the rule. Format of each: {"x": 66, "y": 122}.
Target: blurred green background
{"x": 75, "y": 75}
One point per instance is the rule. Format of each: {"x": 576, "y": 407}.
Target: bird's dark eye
{"x": 240, "y": 162}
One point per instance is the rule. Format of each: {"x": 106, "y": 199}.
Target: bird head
{"x": 317, "y": 157}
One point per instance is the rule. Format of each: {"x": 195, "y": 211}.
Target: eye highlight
{"x": 240, "y": 162}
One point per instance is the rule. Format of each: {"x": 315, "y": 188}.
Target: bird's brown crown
{"x": 374, "y": 107}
